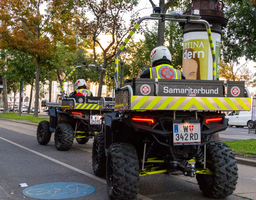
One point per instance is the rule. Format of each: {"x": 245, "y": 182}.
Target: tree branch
{"x": 167, "y": 5}
{"x": 152, "y": 3}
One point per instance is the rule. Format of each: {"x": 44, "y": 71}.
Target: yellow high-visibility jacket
{"x": 165, "y": 71}
{"x": 83, "y": 92}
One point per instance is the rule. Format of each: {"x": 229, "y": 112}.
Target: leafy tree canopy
{"x": 239, "y": 38}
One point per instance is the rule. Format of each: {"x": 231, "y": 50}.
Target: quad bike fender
{"x": 110, "y": 121}
{"x": 216, "y": 128}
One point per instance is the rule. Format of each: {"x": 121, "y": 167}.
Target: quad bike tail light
{"x": 215, "y": 119}
{"x": 76, "y": 113}
{"x": 147, "y": 120}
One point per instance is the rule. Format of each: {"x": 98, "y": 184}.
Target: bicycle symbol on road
{"x": 59, "y": 190}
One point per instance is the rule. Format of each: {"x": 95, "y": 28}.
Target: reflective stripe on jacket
{"x": 83, "y": 92}
{"x": 164, "y": 71}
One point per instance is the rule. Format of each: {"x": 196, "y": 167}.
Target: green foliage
{"x": 60, "y": 59}
{"x": 173, "y": 34}
{"x": 138, "y": 59}
{"x": 20, "y": 66}
{"x": 239, "y": 38}
{"x": 91, "y": 75}
{"x": 139, "y": 52}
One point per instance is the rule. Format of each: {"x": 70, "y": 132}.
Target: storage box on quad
{"x": 201, "y": 88}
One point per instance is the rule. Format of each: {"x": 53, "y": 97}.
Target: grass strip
{"x": 25, "y": 117}
{"x": 243, "y": 146}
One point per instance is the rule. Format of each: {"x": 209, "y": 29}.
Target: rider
{"x": 81, "y": 89}
{"x": 161, "y": 60}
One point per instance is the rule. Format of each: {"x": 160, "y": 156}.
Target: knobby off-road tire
{"x": 63, "y": 137}
{"x": 122, "y": 172}
{"x": 221, "y": 161}
{"x": 43, "y": 133}
{"x": 82, "y": 140}
{"x": 98, "y": 155}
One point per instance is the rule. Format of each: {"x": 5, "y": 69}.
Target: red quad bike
{"x": 73, "y": 117}
{"x": 157, "y": 132}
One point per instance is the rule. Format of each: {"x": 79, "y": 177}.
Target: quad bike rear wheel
{"x": 222, "y": 163}
{"x": 122, "y": 172}
{"x": 43, "y": 133}
{"x": 63, "y": 137}
{"x": 98, "y": 155}
{"x": 82, "y": 140}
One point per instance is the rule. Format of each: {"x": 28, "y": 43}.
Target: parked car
{"x": 240, "y": 119}
{"x": 15, "y": 109}
{"x": 33, "y": 109}
{"x": 24, "y": 109}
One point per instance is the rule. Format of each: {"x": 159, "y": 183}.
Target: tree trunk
{"x": 161, "y": 25}
{"x": 5, "y": 100}
{"x": 100, "y": 83}
{"x": 160, "y": 35}
{"x": 14, "y": 100}
{"x": 21, "y": 97}
{"x": 30, "y": 97}
{"x": 60, "y": 80}
{"x": 38, "y": 59}
{"x": 37, "y": 87}
{"x": 50, "y": 90}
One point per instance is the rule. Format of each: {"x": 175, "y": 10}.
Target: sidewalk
{"x": 241, "y": 159}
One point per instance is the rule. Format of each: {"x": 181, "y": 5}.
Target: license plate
{"x": 95, "y": 119}
{"x": 186, "y": 133}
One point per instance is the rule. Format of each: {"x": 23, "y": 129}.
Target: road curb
{"x": 246, "y": 161}
{"x": 19, "y": 121}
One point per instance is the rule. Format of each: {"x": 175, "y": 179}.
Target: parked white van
{"x": 240, "y": 119}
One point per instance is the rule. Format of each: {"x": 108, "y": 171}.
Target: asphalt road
{"x": 233, "y": 133}
{"x": 23, "y": 160}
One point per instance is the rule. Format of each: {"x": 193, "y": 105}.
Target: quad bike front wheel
{"x": 98, "y": 155}
{"x": 43, "y": 133}
{"x": 82, "y": 140}
{"x": 63, "y": 137}
{"x": 221, "y": 162}
{"x": 122, "y": 172}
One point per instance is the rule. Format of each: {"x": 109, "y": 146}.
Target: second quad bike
{"x": 152, "y": 131}
{"x": 72, "y": 117}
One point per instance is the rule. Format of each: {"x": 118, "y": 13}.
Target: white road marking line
{"x": 3, "y": 193}
{"x": 58, "y": 162}
{"x": 67, "y": 166}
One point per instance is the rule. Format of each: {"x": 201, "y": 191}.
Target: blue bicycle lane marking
{"x": 58, "y": 190}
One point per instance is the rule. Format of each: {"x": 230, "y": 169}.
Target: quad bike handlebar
{"x": 84, "y": 65}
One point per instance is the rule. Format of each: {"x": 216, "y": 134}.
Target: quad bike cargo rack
{"x": 197, "y": 95}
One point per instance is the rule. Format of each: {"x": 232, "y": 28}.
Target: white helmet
{"x": 160, "y": 55}
{"x": 80, "y": 82}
